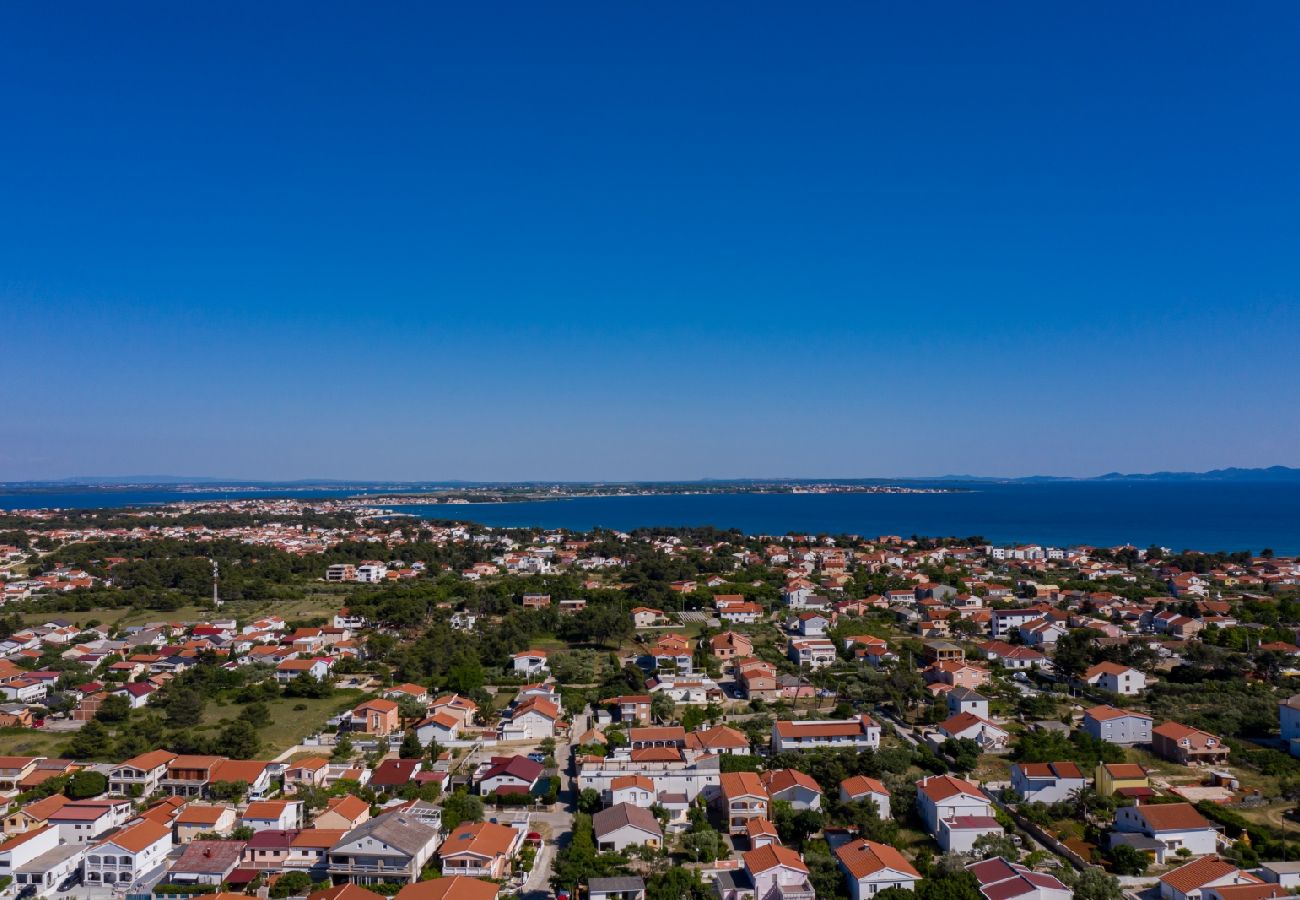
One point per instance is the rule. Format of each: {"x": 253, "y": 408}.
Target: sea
{"x": 1178, "y": 515}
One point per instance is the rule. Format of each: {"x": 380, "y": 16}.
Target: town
{"x": 291, "y": 698}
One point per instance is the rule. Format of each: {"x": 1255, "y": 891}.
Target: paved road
{"x": 558, "y": 821}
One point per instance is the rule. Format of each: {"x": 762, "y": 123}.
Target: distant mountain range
{"x": 1271, "y": 474}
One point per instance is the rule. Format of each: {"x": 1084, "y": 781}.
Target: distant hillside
{"x": 1272, "y": 473}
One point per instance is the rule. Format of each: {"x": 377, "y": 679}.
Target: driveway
{"x": 557, "y": 822}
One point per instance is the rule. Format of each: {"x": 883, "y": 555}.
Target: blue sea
{"x": 1202, "y": 516}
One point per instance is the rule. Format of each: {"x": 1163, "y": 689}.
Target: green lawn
{"x": 313, "y": 606}
{"x": 289, "y": 724}
{"x": 33, "y": 742}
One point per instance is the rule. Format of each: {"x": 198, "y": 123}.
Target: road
{"x": 557, "y": 823}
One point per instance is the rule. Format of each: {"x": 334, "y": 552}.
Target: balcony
{"x": 791, "y": 892}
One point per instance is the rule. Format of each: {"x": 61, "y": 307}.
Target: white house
{"x": 624, "y": 825}
{"x": 955, "y": 812}
{"x": 1118, "y": 679}
{"x": 972, "y": 727}
{"x": 1175, "y": 826}
{"x": 871, "y": 867}
{"x": 860, "y": 733}
{"x": 130, "y": 853}
{"x": 1046, "y": 782}
{"x": 860, "y": 788}
{"x": 1000, "y": 879}
{"x": 530, "y": 662}
{"x": 1197, "y": 879}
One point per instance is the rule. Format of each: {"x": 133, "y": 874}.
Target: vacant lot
{"x": 292, "y": 718}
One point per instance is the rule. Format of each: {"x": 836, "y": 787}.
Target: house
{"x": 256, "y": 774}
{"x": 1117, "y": 726}
{"x": 1047, "y": 782}
{"x": 779, "y": 872}
{"x": 85, "y": 821}
{"x": 345, "y": 812}
{"x": 480, "y": 850}
{"x": 860, "y": 788}
{"x": 392, "y": 774}
{"x": 955, "y": 812}
{"x": 388, "y": 848}
{"x": 760, "y": 832}
{"x": 858, "y": 733}
{"x": 205, "y": 862}
{"x": 194, "y": 819}
{"x": 622, "y": 888}
{"x": 1014, "y": 657}
{"x": 871, "y": 867}
{"x": 1000, "y": 879}
{"x": 972, "y": 727}
{"x": 531, "y": 662}
{"x": 510, "y": 775}
{"x": 798, "y": 789}
{"x": 14, "y": 769}
{"x": 22, "y": 849}
{"x": 740, "y": 797}
{"x": 292, "y": 669}
{"x": 625, "y": 825}
{"x": 1124, "y": 680}
{"x": 378, "y": 717}
{"x": 811, "y": 653}
{"x": 272, "y": 814}
{"x": 456, "y": 887}
{"x": 47, "y": 872}
{"x": 729, "y": 645}
{"x": 127, "y": 855}
{"x": 534, "y": 719}
{"x": 633, "y": 709}
{"x": 1126, "y": 779}
{"x": 307, "y": 772}
{"x": 718, "y": 739}
{"x": 965, "y": 700}
{"x": 1189, "y": 746}
{"x": 637, "y": 790}
{"x": 646, "y": 617}
{"x": 269, "y": 849}
{"x": 309, "y": 850}
{"x": 1174, "y": 826}
{"x": 1200, "y": 879}
{"x": 462, "y": 709}
{"x": 189, "y": 776}
{"x": 440, "y": 728}
{"x": 1285, "y": 874}
{"x": 656, "y": 736}
{"x": 140, "y": 776}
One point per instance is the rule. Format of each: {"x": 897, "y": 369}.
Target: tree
{"x": 1126, "y": 860}
{"x": 342, "y": 749}
{"x": 113, "y": 708}
{"x": 92, "y": 741}
{"x": 238, "y": 740}
{"x": 589, "y": 801}
{"x": 704, "y": 845}
{"x": 184, "y": 707}
{"x": 987, "y": 846}
{"x": 662, "y": 707}
{"x": 1092, "y": 884}
{"x": 459, "y": 807}
{"x": 949, "y": 885}
{"x": 291, "y": 884}
{"x": 257, "y": 714}
{"x": 411, "y": 747}
{"x": 676, "y": 883}
{"x": 85, "y": 784}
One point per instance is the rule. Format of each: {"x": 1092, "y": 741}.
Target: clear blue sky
{"x": 551, "y": 240}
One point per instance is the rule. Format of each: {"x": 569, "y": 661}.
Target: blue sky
{"x": 598, "y": 241}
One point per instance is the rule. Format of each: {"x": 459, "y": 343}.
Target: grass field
{"x": 315, "y": 605}
{"x": 33, "y": 742}
{"x": 289, "y": 724}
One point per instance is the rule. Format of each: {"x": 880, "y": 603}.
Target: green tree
{"x": 291, "y": 884}
{"x": 461, "y": 806}
{"x": 410, "y": 747}
{"x": 85, "y": 784}
{"x": 589, "y": 801}
{"x": 342, "y": 749}
{"x": 1126, "y": 860}
{"x": 257, "y": 714}
{"x": 113, "y": 708}
{"x": 238, "y": 740}
{"x": 92, "y": 742}
{"x": 1092, "y": 884}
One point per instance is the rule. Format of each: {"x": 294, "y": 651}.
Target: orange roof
{"x": 151, "y": 760}
{"x": 1105, "y": 713}
{"x": 43, "y": 809}
{"x": 864, "y": 858}
{"x": 486, "y": 839}
{"x": 941, "y": 787}
{"x": 135, "y": 838}
{"x": 784, "y": 779}
{"x": 265, "y": 809}
{"x": 858, "y": 785}
{"x": 23, "y": 838}
{"x": 246, "y": 770}
{"x": 1200, "y": 872}
{"x": 456, "y": 887}
{"x": 741, "y": 784}
{"x": 349, "y": 806}
{"x": 1172, "y": 817}
{"x": 201, "y": 814}
{"x": 323, "y": 838}
{"x": 771, "y": 856}
{"x": 342, "y": 892}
